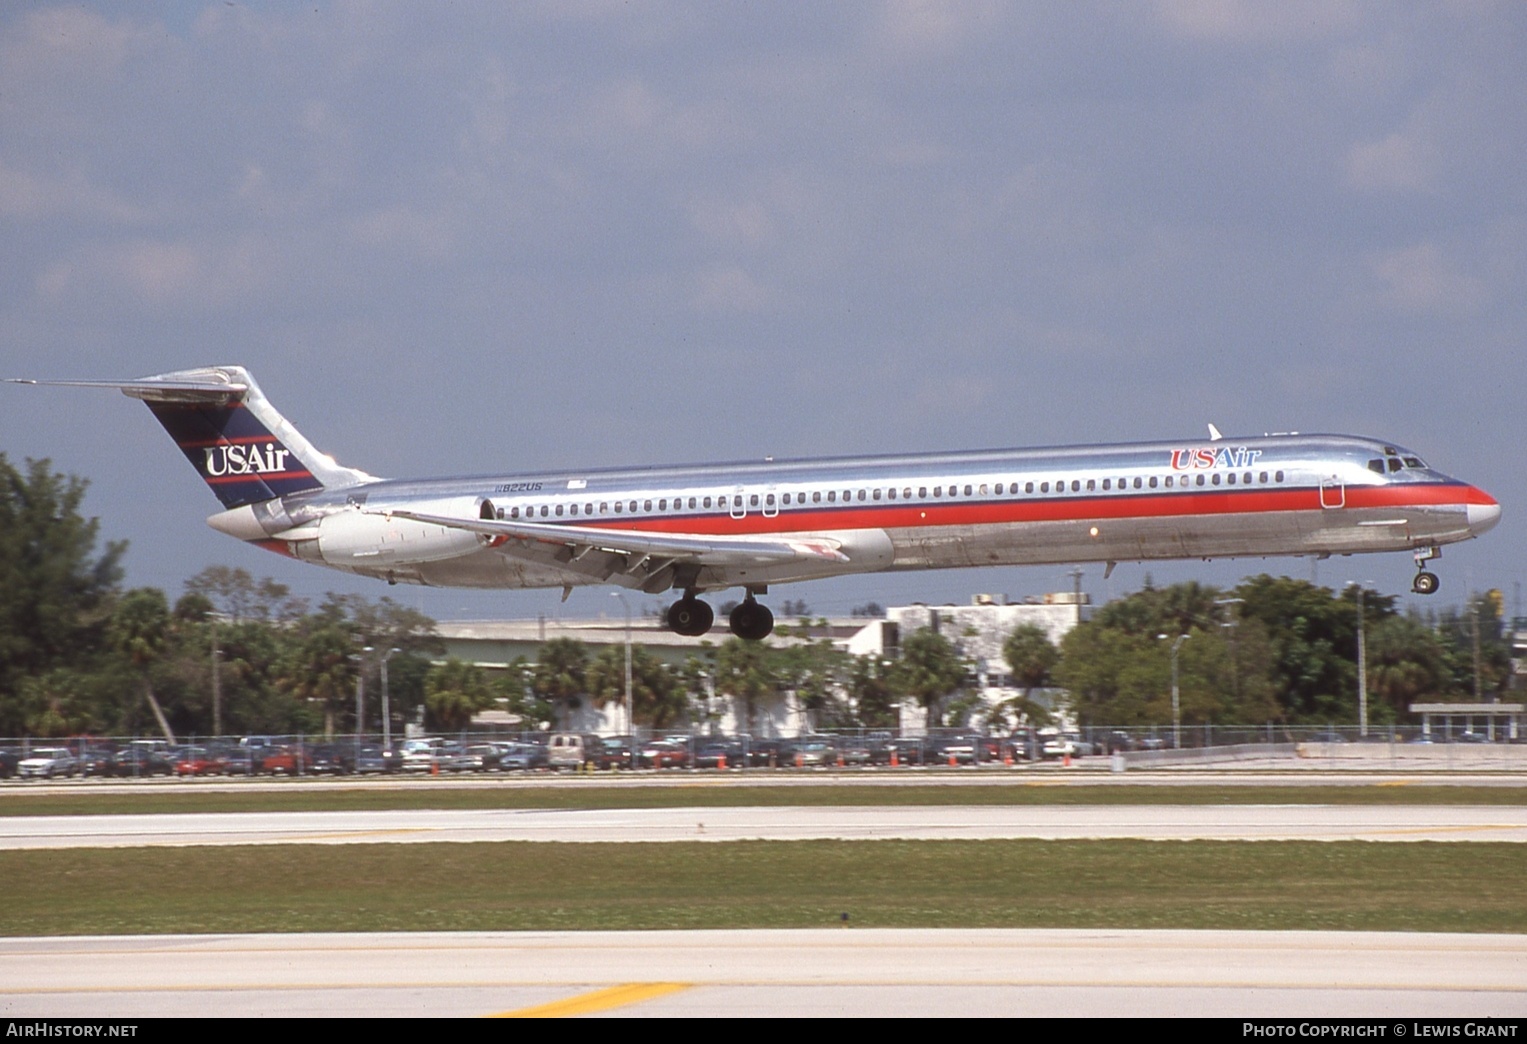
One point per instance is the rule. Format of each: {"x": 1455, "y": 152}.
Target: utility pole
{"x": 1176, "y": 692}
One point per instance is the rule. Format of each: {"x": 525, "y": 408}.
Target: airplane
{"x": 704, "y": 528}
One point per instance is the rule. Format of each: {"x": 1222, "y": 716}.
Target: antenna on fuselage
{"x": 1214, "y": 435}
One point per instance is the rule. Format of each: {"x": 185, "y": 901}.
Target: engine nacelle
{"x": 364, "y": 540}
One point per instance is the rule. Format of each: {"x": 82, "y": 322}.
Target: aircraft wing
{"x": 649, "y": 560}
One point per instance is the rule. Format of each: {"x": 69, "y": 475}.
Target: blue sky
{"x": 489, "y": 237}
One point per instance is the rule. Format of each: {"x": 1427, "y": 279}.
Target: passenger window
{"x": 633, "y": 507}
{"x": 1044, "y": 487}
{"x": 1092, "y": 484}
{"x": 1028, "y": 487}
{"x": 983, "y": 489}
{"x": 1278, "y": 476}
{"x": 1230, "y": 478}
{"x": 1153, "y": 482}
{"x": 938, "y": 491}
{"x": 832, "y": 496}
{"x": 559, "y": 510}
{"x": 1262, "y": 478}
{"x": 514, "y": 512}
{"x": 753, "y": 500}
{"x": 1200, "y": 480}
{"x": 999, "y": 489}
{"x": 890, "y": 494}
{"x": 922, "y": 492}
{"x": 967, "y": 491}
{"x": 1137, "y": 482}
{"x": 861, "y": 494}
{"x": 545, "y": 511}
{"x": 1215, "y": 479}
{"x": 1107, "y": 485}
{"x": 816, "y": 498}
{"x": 769, "y": 499}
{"x": 572, "y": 509}
{"x": 906, "y": 494}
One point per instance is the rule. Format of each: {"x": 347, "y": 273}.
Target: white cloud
{"x": 31, "y": 197}
{"x": 1420, "y": 279}
{"x": 729, "y": 289}
{"x": 1257, "y": 20}
{"x": 1400, "y": 162}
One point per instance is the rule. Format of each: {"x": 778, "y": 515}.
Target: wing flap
{"x": 635, "y": 552}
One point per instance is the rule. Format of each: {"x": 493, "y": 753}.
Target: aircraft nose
{"x": 1483, "y": 516}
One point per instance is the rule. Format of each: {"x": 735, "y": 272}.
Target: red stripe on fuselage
{"x": 1029, "y": 508}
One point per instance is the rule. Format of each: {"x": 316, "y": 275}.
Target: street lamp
{"x": 630, "y": 721}
{"x": 386, "y": 702}
{"x": 1362, "y": 661}
{"x": 1176, "y": 696}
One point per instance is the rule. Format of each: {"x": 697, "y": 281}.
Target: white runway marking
{"x": 832, "y": 971}
{"x": 1153, "y": 822}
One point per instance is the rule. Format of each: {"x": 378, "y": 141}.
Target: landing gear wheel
{"x": 691, "y": 617}
{"x": 1425, "y": 583}
{"x": 751, "y": 621}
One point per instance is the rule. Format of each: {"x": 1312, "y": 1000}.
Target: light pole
{"x": 360, "y": 696}
{"x": 1176, "y": 693}
{"x": 386, "y": 702}
{"x": 1362, "y": 663}
{"x": 630, "y": 722}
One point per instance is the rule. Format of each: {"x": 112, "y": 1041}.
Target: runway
{"x": 789, "y": 823}
{"x": 846, "y": 972}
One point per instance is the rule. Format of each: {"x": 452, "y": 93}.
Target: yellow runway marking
{"x": 599, "y": 1000}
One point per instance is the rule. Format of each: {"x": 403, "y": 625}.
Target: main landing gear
{"x": 1425, "y": 583}
{"x": 692, "y": 617}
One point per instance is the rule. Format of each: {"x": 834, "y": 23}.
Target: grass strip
{"x": 721, "y": 794}
{"x": 1471, "y": 887}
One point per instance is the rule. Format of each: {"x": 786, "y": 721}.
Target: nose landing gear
{"x": 1425, "y": 583}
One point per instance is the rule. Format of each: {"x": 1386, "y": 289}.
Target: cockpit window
{"x": 1376, "y": 466}
{"x": 1414, "y": 462}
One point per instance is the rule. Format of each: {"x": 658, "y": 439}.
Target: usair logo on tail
{"x": 225, "y": 459}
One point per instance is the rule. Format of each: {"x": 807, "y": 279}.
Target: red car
{"x": 197, "y": 761}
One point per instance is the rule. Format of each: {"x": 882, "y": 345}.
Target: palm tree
{"x": 138, "y": 630}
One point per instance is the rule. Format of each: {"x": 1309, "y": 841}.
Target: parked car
{"x": 290, "y": 761}
{"x": 138, "y": 761}
{"x": 573, "y": 749}
{"x": 522, "y": 757}
{"x": 200, "y": 761}
{"x": 662, "y": 754}
{"x": 48, "y": 763}
{"x": 616, "y": 753}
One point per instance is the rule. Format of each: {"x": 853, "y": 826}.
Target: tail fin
{"x": 234, "y": 438}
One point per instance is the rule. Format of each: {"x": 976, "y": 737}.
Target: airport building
{"x": 977, "y": 630}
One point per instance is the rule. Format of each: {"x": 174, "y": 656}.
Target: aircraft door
{"x": 770, "y": 505}
{"x": 738, "y": 506}
{"x": 1333, "y": 493}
